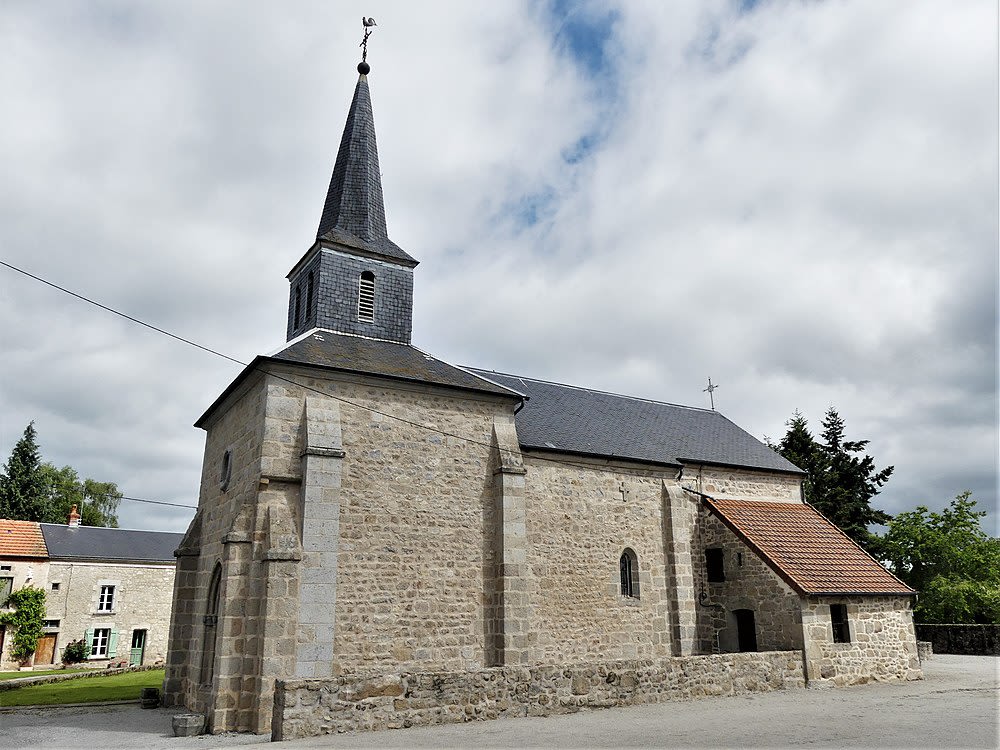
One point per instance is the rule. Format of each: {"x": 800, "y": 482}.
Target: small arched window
{"x": 366, "y": 298}
{"x": 227, "y": 469}
{"x": 628, "y": 566}
{"x": 298, "y": 306}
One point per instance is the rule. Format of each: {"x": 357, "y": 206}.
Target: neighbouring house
{"x": 111, "y": 587}
{"x": 24, "y": 561}
{"x": 382, "y": 533}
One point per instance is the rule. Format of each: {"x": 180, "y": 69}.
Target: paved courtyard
{"x": 956, "y": 706}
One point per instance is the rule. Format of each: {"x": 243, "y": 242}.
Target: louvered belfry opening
{"x": 366, "y": 297}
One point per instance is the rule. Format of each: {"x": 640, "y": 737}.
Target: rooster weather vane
{"x": 369, "y": 24}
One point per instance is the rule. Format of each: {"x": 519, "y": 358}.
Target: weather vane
{"x": 368, "y": 23}
{"x": 711, "y": 392}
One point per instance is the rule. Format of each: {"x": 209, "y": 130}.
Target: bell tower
{"x": 354, "y": 279}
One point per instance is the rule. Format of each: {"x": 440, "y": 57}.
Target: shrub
{"x": 28, "y": 619}
{"x": 75, "y": 652}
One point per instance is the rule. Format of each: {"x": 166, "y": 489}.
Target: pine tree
{"x": 22, "y": 484}
{"x": 840, "y": 484}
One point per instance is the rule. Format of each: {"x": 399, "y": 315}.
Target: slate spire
{"x": 354, "y": 212}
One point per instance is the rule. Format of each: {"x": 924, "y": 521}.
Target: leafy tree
{"x": 31, "y": 490}
{"x": 97, "y": 502}
{"x": 22, "y": 484}
{"x": 27, "y": 620}
{"x": 841, "y": 478}
{"x": 949, "y": 559}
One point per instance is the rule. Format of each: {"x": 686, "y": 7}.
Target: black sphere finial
{"x": 364, "y": 68}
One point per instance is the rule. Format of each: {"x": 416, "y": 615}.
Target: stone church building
{"x": 370, "y": 512}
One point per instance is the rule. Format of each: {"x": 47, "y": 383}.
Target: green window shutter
{"x": 113, "y": 645}
{"x": 89, "y": 638}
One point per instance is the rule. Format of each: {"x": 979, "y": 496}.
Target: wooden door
{"x": 138, "y": 647}
{"x": 45, "y": 649}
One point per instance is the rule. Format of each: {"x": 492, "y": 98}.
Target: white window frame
{"x": 99, "y": 649}
{"x": 106, "y": 599}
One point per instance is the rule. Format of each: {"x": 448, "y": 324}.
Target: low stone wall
{"x": 307, "y": 708}
{"x": 983, "y": 640}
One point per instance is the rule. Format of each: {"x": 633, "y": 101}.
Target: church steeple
{"x": 354, "y": 208}
{"x": 354, "y": 279}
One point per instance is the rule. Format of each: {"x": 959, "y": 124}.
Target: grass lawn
{"x": 32, "y": 673}
{"x": 117, "y": 687}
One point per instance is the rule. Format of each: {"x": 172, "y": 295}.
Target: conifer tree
{"x": 841, "y": 479}
{"x": 22, "y": 484}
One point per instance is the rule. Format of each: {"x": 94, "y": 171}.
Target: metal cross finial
{"x": 711, "y": 392}
{"x": 368, "y": 23}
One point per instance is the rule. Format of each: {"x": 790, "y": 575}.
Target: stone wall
{"x": 580, "y": 519}
{"x": 743, "y": 484}
{"x": 306, "y": 708}
{"x": 749, "y": 584}
{"x": 883, "y": 645}
{"x": 961, "y": 639}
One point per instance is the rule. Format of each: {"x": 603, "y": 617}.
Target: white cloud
{"x": 800, "y": 201}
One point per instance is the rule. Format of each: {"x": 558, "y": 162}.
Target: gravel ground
{"x": 955, "y": 706}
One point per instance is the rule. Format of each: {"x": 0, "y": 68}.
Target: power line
{"x": 304, "y": 387}
{"x": 157, "y": 502}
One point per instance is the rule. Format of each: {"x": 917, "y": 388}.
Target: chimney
{"x": 74, "y": 517}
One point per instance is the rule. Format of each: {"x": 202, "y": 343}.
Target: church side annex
{"x": 384, "y": 539}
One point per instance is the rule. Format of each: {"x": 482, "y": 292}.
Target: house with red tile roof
{"x": 109, "y": 587}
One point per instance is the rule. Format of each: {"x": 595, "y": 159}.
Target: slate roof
{"x": 354, "y": 211}
{"x": 357, "y": 354}
{"x": 579, "y": 420}
{"x": 386, "y": 358}
{"x": 99, "y": 543}
{"x": 21, "y": 539}
{"x": 811, "y": 554}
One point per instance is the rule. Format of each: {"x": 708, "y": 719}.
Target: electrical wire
{"x": 370, "y": 409}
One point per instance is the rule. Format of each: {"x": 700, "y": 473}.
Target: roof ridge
{"x": 602, "y": 393}
{"x": 107, "y": 528}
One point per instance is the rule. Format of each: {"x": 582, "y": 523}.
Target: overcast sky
{"x": 796, "y": 199}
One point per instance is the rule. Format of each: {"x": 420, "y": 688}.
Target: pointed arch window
{"x": 628, "y": 566}
{"x": 211, "y": 622}
{"x": 366, "y": 298}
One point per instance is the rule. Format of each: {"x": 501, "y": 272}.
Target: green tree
{"x": 949, "y": 559}
{"x": 31, "y": 490}
{"x": 27, "y": 620}
{"x": 841, "y": 479}
{"x": 97, "y": 502}
{"x": 22, "y": 483}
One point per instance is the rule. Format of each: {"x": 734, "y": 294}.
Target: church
{"x": 387, "y": 539}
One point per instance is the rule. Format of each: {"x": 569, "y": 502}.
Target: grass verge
{"x": 117, "y": 687}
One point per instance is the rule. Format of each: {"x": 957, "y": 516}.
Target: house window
{"x": 50, "y": 623}
{"x": 841, "y": 628}
{"x": 6, "y": 586}
{"x": 628, "y": 567}
{"x": 298, "y": 306}
{"x": 99, "y": 643}
{"x": 366, "y": 298}
{"x": 715, "y": 566}
{"x": 55, "y": 586}
{"x": 106, "y": 602}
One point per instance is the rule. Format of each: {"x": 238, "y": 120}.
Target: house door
{"x": 138, "y": 647}
{"x": 746, "y": 629}
{"x": 45, "y": 649}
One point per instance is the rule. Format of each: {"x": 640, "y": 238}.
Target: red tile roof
{"x": 21, "y": 539}
{"x": 811, "y": 554}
